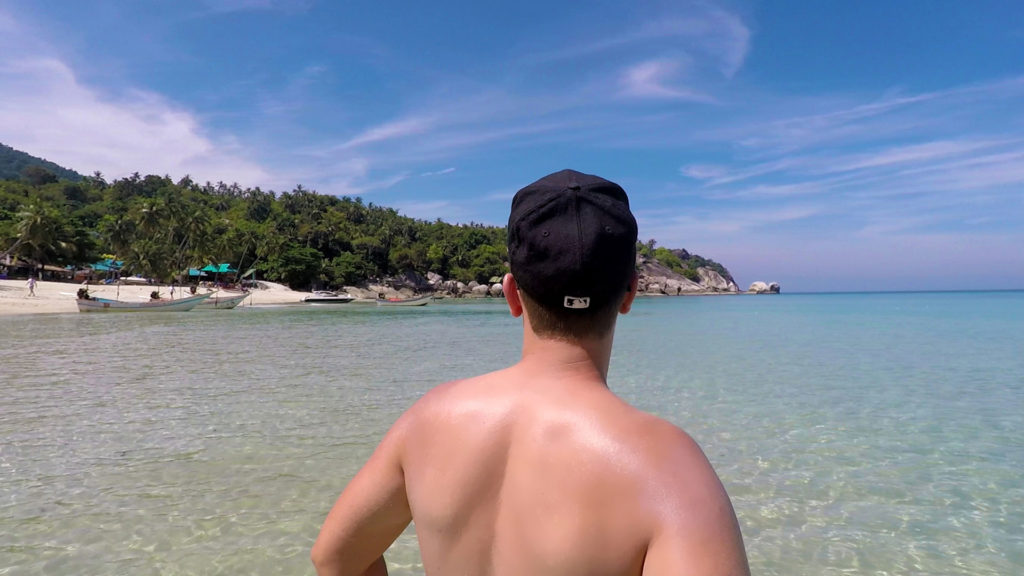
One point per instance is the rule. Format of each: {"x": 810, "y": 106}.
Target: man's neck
{"x": 587, "y": 359}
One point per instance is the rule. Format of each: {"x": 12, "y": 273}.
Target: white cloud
{"x": 704, "y": 171}
{"x": 390, "y": 131}
{"x": 223, "y": 6}
{"x": 439, "y": 172}
{"x": 719, "y": 36}
{"x": 658, "y": 79}
{"x": 350, "y": 176}
{"x": 47, "y": 112}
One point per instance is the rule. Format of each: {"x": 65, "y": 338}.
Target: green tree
{"x": 347, "y": 268}
{"x": 668, "y": 259}
{"x": 36, "y": 175}
{"x": 297, "y": 266}
{"x": 43, "y": 235}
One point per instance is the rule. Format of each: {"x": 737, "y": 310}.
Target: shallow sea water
{"x": 856, "y": 433}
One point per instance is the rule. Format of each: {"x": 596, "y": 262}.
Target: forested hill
{"x": 159, "y": 228}
{"x": 17, "y": 165}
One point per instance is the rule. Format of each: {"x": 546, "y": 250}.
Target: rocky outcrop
{"x": 656, "y": 278}
{"x": 701, "y": 277}
{"x": 714, "y": 281}
{"x": 764, "y": 288}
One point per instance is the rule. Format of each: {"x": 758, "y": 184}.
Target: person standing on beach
{"x": 539, "y": 468}
{"x": 31, "y": 285}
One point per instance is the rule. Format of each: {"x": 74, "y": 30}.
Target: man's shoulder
{"x": 452, "y": 395}
{"x": 666, "y": 451}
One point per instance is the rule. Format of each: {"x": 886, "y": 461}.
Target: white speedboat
{"x": 327, "y": 297}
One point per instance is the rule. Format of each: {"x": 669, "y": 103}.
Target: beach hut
{"x": 218, "y": 269}
{"x": 107, "y": 268}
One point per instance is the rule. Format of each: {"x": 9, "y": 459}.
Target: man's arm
{"x": 369, "y": 515}
{"x": 697, "y": 532}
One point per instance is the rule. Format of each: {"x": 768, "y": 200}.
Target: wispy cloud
{"x": 658, "y": 79}
{"x": 390, "y": 131}
{"x": 723, "y": 220}
{"x": 844, "y": 120}
{"x": 720, "y": 34}
{"x": 249, "y": 5}
{"x": 716, "y": 35}
{"x": 439, "y": 172}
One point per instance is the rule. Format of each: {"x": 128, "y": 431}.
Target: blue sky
{"x": 823, "y": 145}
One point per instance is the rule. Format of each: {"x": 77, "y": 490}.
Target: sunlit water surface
{"x": 856, "y": 433}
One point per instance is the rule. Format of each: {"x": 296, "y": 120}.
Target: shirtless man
{"x": 539, "y": 469}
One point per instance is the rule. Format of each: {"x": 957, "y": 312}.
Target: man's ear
{"x": 511, "y": 291}
{"x": 627, "y": 302}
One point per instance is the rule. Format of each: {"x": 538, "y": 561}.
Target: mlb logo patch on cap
{"x": 577, "y": 302}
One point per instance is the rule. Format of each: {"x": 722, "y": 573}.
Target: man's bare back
{"x": 550, "y": 473}
{"x": 535, "y": 470}
{"x": 539, "y": 469}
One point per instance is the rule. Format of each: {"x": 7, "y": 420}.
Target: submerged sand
{"x": 59, "y": 297}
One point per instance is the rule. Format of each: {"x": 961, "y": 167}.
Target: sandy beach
{"x": 59, "y": 297}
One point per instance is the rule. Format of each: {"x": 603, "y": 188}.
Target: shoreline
{"x": 59, "y": 297}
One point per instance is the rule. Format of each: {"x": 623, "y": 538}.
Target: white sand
{"x": 59, "y": 297}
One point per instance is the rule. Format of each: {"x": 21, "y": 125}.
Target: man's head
{"x": 572, "y": 251}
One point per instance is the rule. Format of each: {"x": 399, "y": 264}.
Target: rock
{"x": 658, "y": 279}
{"x": 479, "y": 290}
{"x": 409, "y": 279}
{"x": 472, "y": 285}
{"x": 675, "y": 287}
{"x": 774, "y": 288}
{"x": 714, "y": 281}
{"x": 361, "y": 293}
{"x": 758, "y": 288}
{"x": 496, "y": 289}
{"x": 434, "y": 279}
{"x": 461, "y": 287}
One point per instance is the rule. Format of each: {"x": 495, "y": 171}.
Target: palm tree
{"x": 42, "y": 234}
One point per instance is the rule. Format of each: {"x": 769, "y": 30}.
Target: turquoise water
{"x": 856, "y": 433}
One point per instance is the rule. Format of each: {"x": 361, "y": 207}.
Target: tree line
{"x": 159, "y": 228}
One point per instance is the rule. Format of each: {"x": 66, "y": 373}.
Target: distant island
{"x": 53, "y": 219}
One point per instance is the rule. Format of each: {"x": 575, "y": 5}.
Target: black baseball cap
{"x": 572, "y": 241}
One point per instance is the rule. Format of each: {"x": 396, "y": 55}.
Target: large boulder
{"x": 758, "y": 288}
{"x": 410, "y": 280}
{"x": 682, "y": 285}
{"x": 655, "y": 278}
{"x": 361, "y": 293}
{"x": 496, "y": 289}
{"x": 434, "y": 279}
{"x": 480, "y": 290}
{"x": 713, "y": 281}
{"x": 774, "y": 288}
